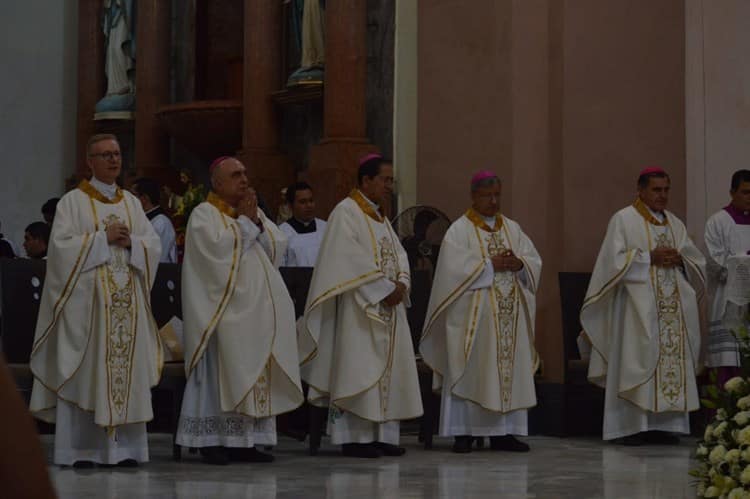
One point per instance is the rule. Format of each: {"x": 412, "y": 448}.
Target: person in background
{"x": 148, "y": 193}
{"x": 305, "y": 232}
{"x": 36, "y": 239}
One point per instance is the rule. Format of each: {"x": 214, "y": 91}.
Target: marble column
{"x": 91, "y": 79}
{"x": 334, "y": 162}
{"x": 269, "y": 170}
{"x": 152, "y": 89}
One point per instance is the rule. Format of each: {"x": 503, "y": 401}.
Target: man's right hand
{"x": 118, "y": 235}
{"x": 249, "y": 206}
{"x": 396, "y": 297}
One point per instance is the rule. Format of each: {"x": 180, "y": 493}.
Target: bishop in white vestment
{"x": 727, "y": 235}
{"x": 479, "y": 333}
{"x": 97, "y": 351}
{"x": 303, "y": 230}
{"x": 355, "y": 342}
{"x": 641, "y": 317}
{"x": 240, "y": 337}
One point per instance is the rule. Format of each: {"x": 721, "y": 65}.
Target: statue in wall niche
{"x": 118, "y": 23}
{"x": 309, "y": 29}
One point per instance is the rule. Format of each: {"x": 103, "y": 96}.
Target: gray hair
{"x": 485, "y": 182}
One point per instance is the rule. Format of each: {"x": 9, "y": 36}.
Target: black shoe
{"x": 83, "y": 465}
{"x": 128, "y": 463}
{"x": 215, "y": 455}
{"x": 389, "y": 449}
{"x": 462, "y": 444}
{"x": 361, "y": 450}
{"x": 635, "y": 440}
{"x": 508, "y": 443}
{"x": 660, "y": 438}
{"x": 249, "y": 455}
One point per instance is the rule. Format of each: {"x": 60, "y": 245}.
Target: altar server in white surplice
{"x": 641, "y": 317}
{"x": 727, "y": 234}
{"x": 97, "y": 351}
{"x": 240, "y": 338}
{"x": 479, "y": 331}
{"x": 304, "y": 231}
{"x": 355, "y": 342}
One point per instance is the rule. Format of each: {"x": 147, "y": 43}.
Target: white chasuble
{"x": 357, "y": 353}
{"x": 240, "y": 337}
{"x": 724, "y": 238}
{"x": 96, "y": 347}
{"x": 479, "y": 333}
{"x": 642, "y": 321}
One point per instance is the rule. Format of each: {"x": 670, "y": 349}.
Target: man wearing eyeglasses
{"x": 479, "y": 331}
{"x": 356, "y": 349}
{"x": 96, "y": 351}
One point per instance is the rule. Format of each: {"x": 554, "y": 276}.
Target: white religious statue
{"x": 479, "y": 332}
{"x": 641, "y": 317}
{"x": 727, "y": 236}
{"x": 97, "y": 351}
{"x": 118, "y": 24}
{"x": 240, "y": 337}
{"x": 356, "y": 348}
{"x": 310, "y": 37}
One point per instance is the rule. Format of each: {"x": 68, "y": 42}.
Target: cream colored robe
{"x": 481, "y": 341}
{"x": 96, "y": 344}
{"x": 646, "y": 316}
{"x": 357, "y": 353}
{"x": 242, "y": 300}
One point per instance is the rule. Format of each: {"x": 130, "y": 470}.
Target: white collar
{"x": 658, "y": 214}
{"x": 109, "y": 190}
{"x": 152, "y": 209}
{"x": 372, "y": 203}
{"x": 490, "y": 221}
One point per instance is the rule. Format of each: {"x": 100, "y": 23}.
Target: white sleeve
{"x": 484, "y": 280}
{"x": 99, "y": 254}
{"x": 639, "y": 269}
{"x": 376, "y": 291}
{"x": 249, "y": 232}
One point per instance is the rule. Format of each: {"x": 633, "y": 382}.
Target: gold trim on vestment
{"x": 478, "y": 221}
{"x": 222, "y": 303}
{"x": 365, "y": 206}
{"x": 643, "y": 210}
{"x": 93, "y": 193}
{"x": 221, "y": 205}
{"x": 596, "y": 296}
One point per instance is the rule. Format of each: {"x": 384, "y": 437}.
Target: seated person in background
{"x": 35, "y": 240}
{"x": 305, "y": 232}
{"x": 148, "y": 192}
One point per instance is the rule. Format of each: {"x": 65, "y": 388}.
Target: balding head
{"x": 229, "y": 180}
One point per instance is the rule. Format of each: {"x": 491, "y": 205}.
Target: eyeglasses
{"x": 108, "y": 155}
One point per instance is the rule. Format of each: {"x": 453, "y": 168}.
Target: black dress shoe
{"x": 508, "y": 443}
{"x": 634, "y": 440}
{"x": 83, "y": 465}
{"x": 215, "y": 455}
{"x": 128, "y": 463}
{"x": 390, "y": 449}
{"x": 660, "y": 438}
{"x": 462, "y": 444}
{"x": 369, "y": 451}
{"x": 249, "y": 455}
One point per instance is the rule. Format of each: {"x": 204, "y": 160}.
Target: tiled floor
{"x": 581, "y": 468}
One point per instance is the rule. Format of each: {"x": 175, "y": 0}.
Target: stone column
{"x": 91, "y": 80}
{"x": 269, "y": 170}
{"x": 333, "y": 162}
{"x": 152, "y": 89}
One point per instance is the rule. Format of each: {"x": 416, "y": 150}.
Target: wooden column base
{"x": 333, "y": 170}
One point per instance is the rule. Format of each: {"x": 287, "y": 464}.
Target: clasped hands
{"x": 506, "y": 261}
{"x": 249, "y": 206}
{"x": 397, "y": 296}
{"x": 663, "y": 256}
{"x": 118, "y": 235}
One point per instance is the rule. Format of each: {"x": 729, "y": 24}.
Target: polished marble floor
{"x": 555, "y": 468}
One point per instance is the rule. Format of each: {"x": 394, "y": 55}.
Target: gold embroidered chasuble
{"x": 236, "y": 294}
{"x": 357, "y": 354}
{"x": 481, "y": 341}
{"x": 96, "y": 344}
{"x": 645, "y": 314}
